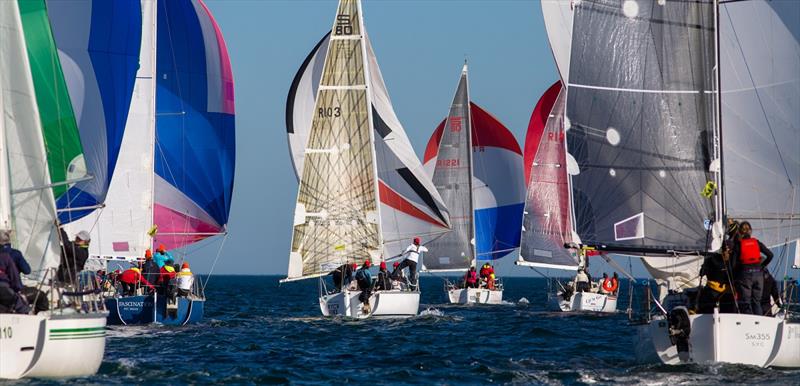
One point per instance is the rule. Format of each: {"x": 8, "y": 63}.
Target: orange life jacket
{"x": 749, "y": 252}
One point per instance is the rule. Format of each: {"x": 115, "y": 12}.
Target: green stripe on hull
{"x": 63, "y": 330}
{"x": 60, "y": 128}
{"x": 78, "y": 337}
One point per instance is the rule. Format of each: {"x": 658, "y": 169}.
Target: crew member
{"x": 364, "y": 280}
{"x": 131, "y": 279}
{"x": 185, "y": 280}
{"x": 343, "y": 275}
{"x": 487, "y": 275}
{"x": 397, "y": 273}
{"x": 163, "y": 257}
{"x": 384, "y": 282}
{"x": 412, "y": 259}
{"x": 150, "y": 269}
{"x": 471, "y": 278}
{"x": 582, "y": 281}
{"x": 750, "y": 282}
{"x": 10, "y": 287}
{"x": 718, "y": 271}
{"x": 73, "y": 256}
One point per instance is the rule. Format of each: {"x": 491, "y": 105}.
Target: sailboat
{"x": 37, "y": 145}
{"x": 363, "y": 192}
{"x": 547, "y": 218}
{"x": 476, "y": 165}
{"x": 689, "y": 120}
{"x": 169, "y": 115}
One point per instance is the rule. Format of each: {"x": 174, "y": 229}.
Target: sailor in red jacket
{"x": 750, "y": 278}
{"x": 131, "y": 279}
{"x": 487, "y": 275}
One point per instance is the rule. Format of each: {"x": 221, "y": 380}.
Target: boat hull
{"x": 135, "y": 310}
{"x": 475, "y": 295}
{"x": 727, "y": 338}
{"x": 52, "y": 346}
{"x": 587, "y": 302}
{"x": 385, "y": 304}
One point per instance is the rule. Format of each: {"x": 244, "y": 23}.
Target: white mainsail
{"x": 26, "y": 191}
{"x": 407, "y": 202}
{"x": 558, "y": 15}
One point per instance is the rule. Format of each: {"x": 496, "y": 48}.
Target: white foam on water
{"x": 523, "y": 301}
{"x": 431, "y": 312}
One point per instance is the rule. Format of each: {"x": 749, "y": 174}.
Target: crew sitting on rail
{"x": 185, "y": 280}
{"x": 487, "y": 275}
{"x": 384, "y": 282}
{"x": 471, "y": 278}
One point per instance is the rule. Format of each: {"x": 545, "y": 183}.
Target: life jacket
{"x": 472, "y": 277}
{"x": 749, "y": 252}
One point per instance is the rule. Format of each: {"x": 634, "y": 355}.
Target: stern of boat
{"x": 21, "y": 343}
{"x": 73, "y": 346}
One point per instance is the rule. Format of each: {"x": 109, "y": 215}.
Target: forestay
{"x": 28, "y": 204}
{"x": 409, "y": 204}
{"x": 546, "y": 225}
{"x": 98, "y": 47}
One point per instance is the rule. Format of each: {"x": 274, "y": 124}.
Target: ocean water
{"x": 257, "y": 332}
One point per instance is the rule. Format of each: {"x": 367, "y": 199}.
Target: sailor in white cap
{"x": 73, "y": 256}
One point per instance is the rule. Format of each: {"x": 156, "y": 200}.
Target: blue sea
{"x": 259, "y": 332}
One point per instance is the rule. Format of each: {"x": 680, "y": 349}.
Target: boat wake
{"x": 431, "y": 312}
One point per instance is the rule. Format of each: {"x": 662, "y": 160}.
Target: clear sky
{"x": 420, "y": 45}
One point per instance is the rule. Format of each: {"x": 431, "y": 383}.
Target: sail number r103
{"x": 330, "y": 112}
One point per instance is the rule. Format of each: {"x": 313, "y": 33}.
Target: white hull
{"x": 727, "y": 338}
{"x": 475, "y": 295}
{"x": 395, "y": 304}
{"x": 57, "y": 346}
{"x": 588, "y": 302}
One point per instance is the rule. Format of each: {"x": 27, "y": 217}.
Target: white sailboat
{"x": 68, "y": 340}
{"x": 547, "y": 220}
{"x": 476, "y": 165}
{"x": 363, "y": 193}
{"x": 692, "y": 121}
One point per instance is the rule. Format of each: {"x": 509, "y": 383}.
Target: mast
{"x": 719, "y": 226}
{"x": 470, "y": 148}
{"x": 151, "y": 123}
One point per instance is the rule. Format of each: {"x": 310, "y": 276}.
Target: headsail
{"x": 546, "y": 224}
{"x": 195, "y": 141}
{"x": 477, "y": 167}
{"x": 62, "y": 140}
{"x": 98, "y": 47}
{"x": 31, "y": 202}
{"x": 760, "y": 71}
{"x": 336, "y": 217}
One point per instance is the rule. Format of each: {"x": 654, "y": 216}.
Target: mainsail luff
{"x": 337, "y": 218}
{"x": 452, "y": 177}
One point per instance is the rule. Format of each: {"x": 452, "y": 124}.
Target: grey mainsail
{"x": 640, "y": 123}
{"x": 453, "y": 179}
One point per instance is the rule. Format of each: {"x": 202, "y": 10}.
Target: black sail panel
{"x": 640, "y": 122}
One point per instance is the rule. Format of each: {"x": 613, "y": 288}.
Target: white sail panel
{"x": 336, "y": 217}
{"x": 760, "y": 61}
{"x": 558, "y": 22}
{"x": 121, "y": 228}
{"x": 32, "y": 202}
{"x": 410, "y": 204}
{"x": 301, "y": 101}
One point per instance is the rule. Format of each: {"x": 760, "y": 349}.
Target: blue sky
{"x": 420, "y": 45}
